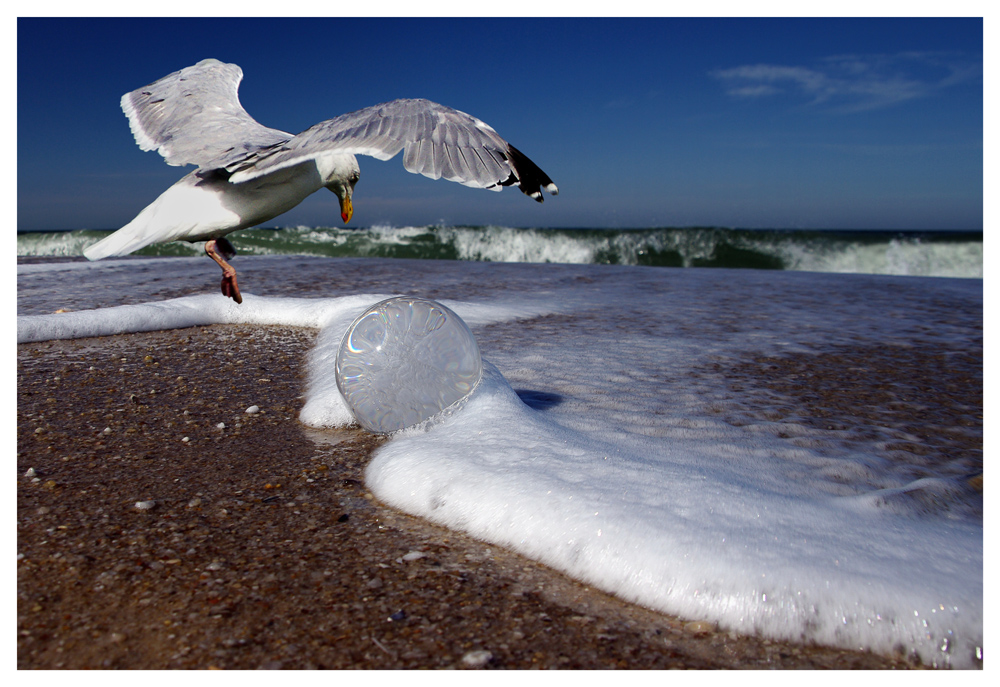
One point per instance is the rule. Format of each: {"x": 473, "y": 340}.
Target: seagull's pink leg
{"x": 229, "y": 287}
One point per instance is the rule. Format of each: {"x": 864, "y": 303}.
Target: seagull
{"x": 248, "y": 173}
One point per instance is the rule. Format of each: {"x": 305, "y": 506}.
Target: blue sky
{"x": 789, "y": 123}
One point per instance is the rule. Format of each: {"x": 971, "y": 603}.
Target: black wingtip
{"x": 528, "y": 176}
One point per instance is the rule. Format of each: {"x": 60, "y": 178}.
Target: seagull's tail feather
{"x": 185, "y": 211}
{"x": 128, "y": 239}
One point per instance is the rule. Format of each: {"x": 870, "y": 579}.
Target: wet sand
{"x": 256, "y": 545}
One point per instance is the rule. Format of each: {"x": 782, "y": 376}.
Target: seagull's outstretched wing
{"x": 439, "y": 142}
{"x": 194, "y": 116}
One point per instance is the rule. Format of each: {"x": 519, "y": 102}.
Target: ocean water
{"x": 744, "y": 446}
{"x": 912, "y": 253}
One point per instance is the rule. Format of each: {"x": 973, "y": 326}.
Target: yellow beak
{"x": 346, "y": 209}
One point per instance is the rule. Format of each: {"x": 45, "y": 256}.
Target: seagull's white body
{"x": 196, "y": 209}
{"x": 248, "y": 174}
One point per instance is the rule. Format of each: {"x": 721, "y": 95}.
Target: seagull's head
{"x": 340, "y": 172}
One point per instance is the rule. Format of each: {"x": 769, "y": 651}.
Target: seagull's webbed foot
{"x": 219, "y": 250}
{"x": 229, "y": 287}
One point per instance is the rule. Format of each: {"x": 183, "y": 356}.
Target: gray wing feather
{"x": 439, "y": 142}
{"x": 194, "y": 116}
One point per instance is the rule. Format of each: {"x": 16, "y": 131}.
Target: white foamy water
{"x": 601, "y": 440}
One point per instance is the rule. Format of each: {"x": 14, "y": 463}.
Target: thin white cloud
{"x": 852, "y": 83}
{"x": 753, "y": 91}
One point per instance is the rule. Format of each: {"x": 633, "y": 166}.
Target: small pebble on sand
{"x": 699, "y": 627}
{"x": 476, "y": 659}
{"x": 252, "y": 410}
{"x": 145, "y": 505}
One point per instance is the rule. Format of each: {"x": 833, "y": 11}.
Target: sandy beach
{"x": 162, "y": 526}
